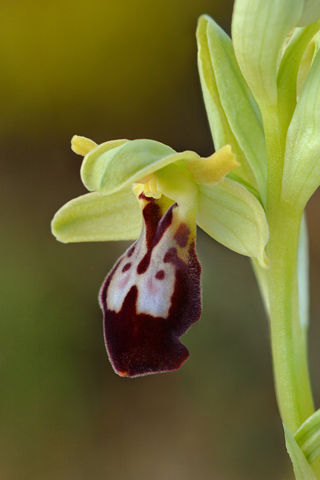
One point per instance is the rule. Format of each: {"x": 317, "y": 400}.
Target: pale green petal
{"x": 259, "y": 28}
{"x": 301, "y": 174}
{"x": 120, "y": 167}
{"x": 230, "y": 214}
{"x": 96, "y": 217}
{"x": 99, "y": 149}
{"x": 311, "y": 12}
{"x": 82, "y": 145}
{"x": 308, "y": 437}
{"x": 213, "y": 169}
{"x": 302, "y": 468}
{"x": 233, "y": 114}
{"x": 289, "y": 68}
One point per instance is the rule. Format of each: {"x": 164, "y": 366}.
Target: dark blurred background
{"x": 118, "y": 69}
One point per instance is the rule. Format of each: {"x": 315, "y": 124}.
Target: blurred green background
{"x": 118, "y": 69}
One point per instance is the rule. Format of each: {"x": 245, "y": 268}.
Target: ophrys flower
{"x": 153, "y": 295}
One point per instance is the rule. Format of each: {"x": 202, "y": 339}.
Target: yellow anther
{"x": 82, "y": 145}
{"x": 148, "y": 186}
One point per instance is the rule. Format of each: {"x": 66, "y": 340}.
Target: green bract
{"x": 311, "y": 11}
{"x": 293, "y": 71}
{"x": 301, "y": 467}
{"x": 301, "y": 175}
{"x": 232, "y": 111}
{"x": 259, "y": 29}
{"x": 308, "y": 437}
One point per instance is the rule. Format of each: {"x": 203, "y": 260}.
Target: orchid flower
{"x": 262, "y": 95}
{"x": 153, "y": 295}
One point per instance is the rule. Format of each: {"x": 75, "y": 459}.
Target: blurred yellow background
{"x": 118, "y": 69}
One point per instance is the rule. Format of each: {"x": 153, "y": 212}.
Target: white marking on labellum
{"x": 152, "y": 296}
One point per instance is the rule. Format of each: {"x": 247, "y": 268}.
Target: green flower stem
{"x": 287, "y": 338}
{"x": 288, "y": 345}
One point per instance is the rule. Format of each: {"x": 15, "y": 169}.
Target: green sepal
{"x": 97, "y": 217}
{"x": 308, "y": 437}
{"x": 259, "y": 28}
{"x": 301, "y": 467}
{"x": 230, "y": 214}
{"x": 289, "y": 68}
{"x": 232, "y": 111}
{"x": 301, "y": 173}
{"x": 122, "y": 166}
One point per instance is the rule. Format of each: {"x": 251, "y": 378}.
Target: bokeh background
{"x": 118, "y": 69}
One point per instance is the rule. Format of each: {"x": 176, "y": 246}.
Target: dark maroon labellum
{"x": 152, "y": 296}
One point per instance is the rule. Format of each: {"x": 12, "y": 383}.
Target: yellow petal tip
{"x": 213, "y": 169}
{"x": 82, "y": 145}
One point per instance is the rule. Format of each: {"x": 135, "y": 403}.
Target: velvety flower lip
{"x": 152, "y": 295}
